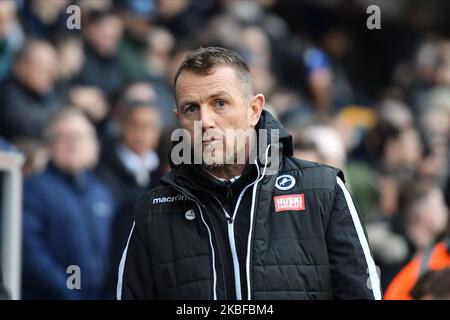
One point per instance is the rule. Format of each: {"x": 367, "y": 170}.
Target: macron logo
{"x": 288, "y": 202}
{"x": 178, "y": 197}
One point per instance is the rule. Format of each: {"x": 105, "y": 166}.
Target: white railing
{"x": 11, "y": 242}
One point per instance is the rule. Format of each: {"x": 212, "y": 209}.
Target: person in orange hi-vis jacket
{"x": 434, "y": 258}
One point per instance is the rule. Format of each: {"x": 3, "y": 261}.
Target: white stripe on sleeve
{"x": 373, "y": 276}
{"x": 122, "y": 267}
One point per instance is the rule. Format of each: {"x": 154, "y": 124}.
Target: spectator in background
{"x": 423, "y": 209}
{"x": 434, "y": 124}
{"x": 184, "y": 18}
{"x": 394, "y": 152}
{"x": 7, "y": 19}
{"x": 306, "y": 150}
{"x": 336, "y": 44}
{"x": 425, "y": 216}
{"x": 136, "y": 16}
{"x": 433, "y": 285}
{"x": 45, "y": 19}
{"x": 406, "y": 286}
{"x": 159, "y": 45}
{"x": 28, "y": 97}
{"x": 67, "y": 218}
{"x": 70, "y": 59}
{"x": 329, "y": 144}
{"x": 131, "y": 166}
{"x": 90, "y": 100}
{"x": 162, "y": 81}
{"x": 102, "y": 32}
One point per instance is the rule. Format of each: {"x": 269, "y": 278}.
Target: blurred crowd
{"x": 92, "y": 111}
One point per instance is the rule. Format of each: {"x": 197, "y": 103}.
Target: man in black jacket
{"x": 29, "y": 96}
{"x": 220, "y": 228}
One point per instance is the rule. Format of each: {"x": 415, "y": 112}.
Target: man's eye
{"x": 191, "y": 108}
{"x": 220, "y": 103}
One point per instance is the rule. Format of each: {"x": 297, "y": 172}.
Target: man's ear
{"x": 257, "y": 103}
{"x": 177, "y": 113}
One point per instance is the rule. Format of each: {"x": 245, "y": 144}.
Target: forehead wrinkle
{"x": 202, "y": 93}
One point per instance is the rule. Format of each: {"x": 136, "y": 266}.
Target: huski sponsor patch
{"x": 295, "y": 202}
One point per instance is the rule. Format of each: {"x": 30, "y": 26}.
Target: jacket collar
{"x": 79, "y": 182}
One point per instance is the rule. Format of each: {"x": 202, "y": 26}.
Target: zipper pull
{"x": 229, "y": 220}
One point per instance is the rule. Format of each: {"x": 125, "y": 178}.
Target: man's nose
{"x": 206, "y": 118}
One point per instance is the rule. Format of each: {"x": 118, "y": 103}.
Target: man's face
{"x": 141, "y": 130}
{"x": 73, "y": 147}
{"x": 218, "y": 102}
{"x": 435, "y": 212}
{"x": 410, "y": 147}
{"x": 38, "y": 70}
{"x": 105, "y": 35}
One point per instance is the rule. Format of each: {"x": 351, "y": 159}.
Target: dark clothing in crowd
{"x": 131, "y": 54}
{"x": 67, "y": 221}
{"x": 100, "y": 71}
{"x": 23, "y": 113}
{"x": 5, "y": 59}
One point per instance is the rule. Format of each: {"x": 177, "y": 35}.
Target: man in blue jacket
{"x": 67, "y": 217}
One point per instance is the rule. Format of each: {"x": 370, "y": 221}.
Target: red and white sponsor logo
{"x": 288, "y": 202}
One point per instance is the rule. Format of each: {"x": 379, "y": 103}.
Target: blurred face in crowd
{"x": 432, "y": 212}
{"x": 135, "y": 24}
{"x": 170, "y": 9}
{"x": 104, "y": 35}
{"x": 70, "y": 58}
{"x": 442, "y": 71}
{"x": 159, "y": 44}
{"x": 7, "y": 16}
{"x": 410, "y": 146}
{"x": 73, "y": 144}
{"x": 218, "y": 101}
{"x": 38, "y": 68}
{"x": 49, "y": 10}
{"x": 404, "y": 150}
{"x": 140, "y": 91}
{"x": 141, "y": 129}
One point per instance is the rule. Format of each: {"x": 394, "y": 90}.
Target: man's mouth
{"x": 212, "y": 139}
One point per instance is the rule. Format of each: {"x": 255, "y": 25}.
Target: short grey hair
{"x": 203, "y": 60}
{"x": 62, "y": 115}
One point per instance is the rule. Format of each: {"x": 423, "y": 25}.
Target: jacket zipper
{"x": 237, "y": 272}
{"x": 232, "y": 241}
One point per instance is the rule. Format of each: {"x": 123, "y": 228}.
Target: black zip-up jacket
{"x": 295, "y": 234}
